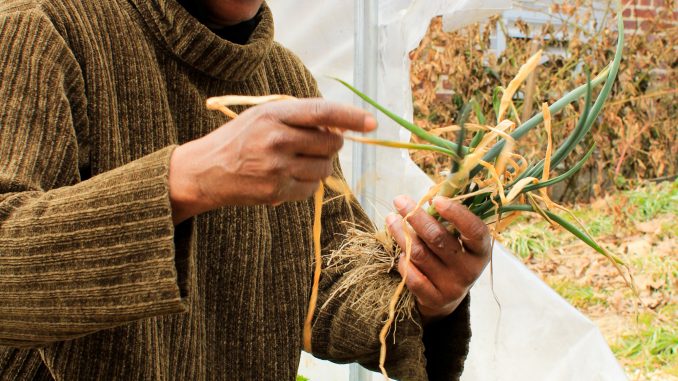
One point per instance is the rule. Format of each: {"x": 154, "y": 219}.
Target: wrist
{"x": 431, "y": 315}
{"x": 183, "y": 193}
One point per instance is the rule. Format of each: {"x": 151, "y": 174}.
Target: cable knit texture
{"x": 95, "y": 281}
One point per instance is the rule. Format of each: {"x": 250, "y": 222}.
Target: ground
{"x": 640, "y": 226}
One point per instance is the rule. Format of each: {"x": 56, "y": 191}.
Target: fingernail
{"x": 441, "y": 203}
{"x": 400, "y": 202}
{"x": 390, "y": 219}
{"x": 437, "y": 200}
{"x": 370, "y": 123}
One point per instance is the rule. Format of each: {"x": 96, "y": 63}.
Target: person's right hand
{"x": 269, "y": 154}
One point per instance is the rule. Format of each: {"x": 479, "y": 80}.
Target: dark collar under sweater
{"x": 239, "y": 33}
{"x": 198, "y": 46}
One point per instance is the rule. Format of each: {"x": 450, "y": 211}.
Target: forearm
{"x": 185, "y": 196}
{"x": 90, "y": 256}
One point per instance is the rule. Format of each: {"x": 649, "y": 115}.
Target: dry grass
{"x": 370, "y": 259}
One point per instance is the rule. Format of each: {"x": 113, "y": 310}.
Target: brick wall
{"x": 639, "y": 14}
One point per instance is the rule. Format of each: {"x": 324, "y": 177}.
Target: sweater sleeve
{"x": 75, "y": 256}
{"x": 348, "y": 324}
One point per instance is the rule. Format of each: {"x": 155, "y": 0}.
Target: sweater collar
{"x": 198, "y": 46}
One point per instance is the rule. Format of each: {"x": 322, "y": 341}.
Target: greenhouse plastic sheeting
{"x": 522, "y": 330}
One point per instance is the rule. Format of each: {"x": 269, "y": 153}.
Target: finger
{"x": 423, "y": 289}
{"x": 432, "y": 232}
{"x": 309, "y": 169}
{"x": 309, "y": 141}
{"x": 427, "y": 262}
{"x": 474, "y": 233}
{"x": 313, "y": 112}
{"x": 449, "y": 283}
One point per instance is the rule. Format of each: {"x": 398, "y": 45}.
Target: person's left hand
{"x": 443, "y": 266}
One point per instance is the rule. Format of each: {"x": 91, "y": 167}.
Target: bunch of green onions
{"x": 480, "y": 177}
{"x": 486, "y": 203}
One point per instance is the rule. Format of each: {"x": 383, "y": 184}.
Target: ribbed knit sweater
{"x": 95, "y": 281}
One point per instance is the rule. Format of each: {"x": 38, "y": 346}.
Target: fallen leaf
{"x": 652, "y": 301}
{"x": 667, "y": 247}
{"x": 638, "y": 246}
{"x": 651, "y": 227}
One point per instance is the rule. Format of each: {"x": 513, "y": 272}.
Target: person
{"x": 144, "y": 237}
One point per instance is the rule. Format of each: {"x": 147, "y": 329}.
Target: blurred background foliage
{"x": 635, "y": 135}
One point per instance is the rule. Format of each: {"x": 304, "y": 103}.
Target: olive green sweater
{"x": 95, "y": 281}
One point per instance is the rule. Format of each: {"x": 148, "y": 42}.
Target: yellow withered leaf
{"x": 308, "y": 323}
{"x": 547, "y": 159}
{"x": 525, "y": 70}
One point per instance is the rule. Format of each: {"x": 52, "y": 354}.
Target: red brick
{"x": 627, "y": 12}
{"x": 630, "y": 25}
{"x": 659, "y": 3}
{"x": 645, "y": 2}
{"x": 645, "y": 13}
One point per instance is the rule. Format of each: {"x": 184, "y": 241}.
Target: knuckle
{"x": 277, "y": 140}
{"x": 417, "y": 254}
{"x": 438, "y": 240}
{"x": 318, "y": 109}
{"x": 262, "y": 114}
{"x": 435, "y": 234}
{"x": 478, "y": 231}
{"x": 416, "y": 285}
{"x": 275, "y": 168}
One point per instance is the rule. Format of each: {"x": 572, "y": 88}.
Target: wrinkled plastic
{"x": 535, "y": 335}
{"x": 529, "y": 332}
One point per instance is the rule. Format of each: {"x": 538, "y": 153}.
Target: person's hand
{"x": 269, "y": 154}
{"x": 443, "y": 266}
